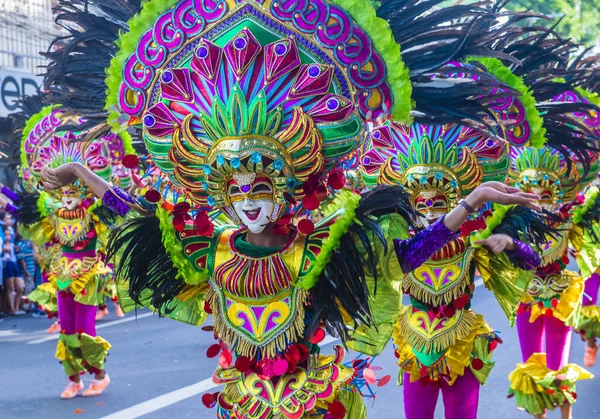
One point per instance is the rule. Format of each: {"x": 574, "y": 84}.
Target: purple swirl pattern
{"x": 590, "y": 118}
{"x": 509, "y": 111}
{"x": 327, "y": 26}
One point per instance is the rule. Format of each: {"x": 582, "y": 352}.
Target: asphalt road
{"x": 159, "y": 369}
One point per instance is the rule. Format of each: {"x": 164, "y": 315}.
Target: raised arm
{"x": 413, "y": 252}
{"x": 113, "y": 198}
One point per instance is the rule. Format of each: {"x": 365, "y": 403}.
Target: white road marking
{"x": 165, "y": 400}
{"x": 99, "y": 326}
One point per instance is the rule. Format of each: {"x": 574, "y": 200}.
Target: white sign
{"x": 13, "y": 85}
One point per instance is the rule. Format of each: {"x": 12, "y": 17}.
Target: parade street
{"x": 159, "y": 369}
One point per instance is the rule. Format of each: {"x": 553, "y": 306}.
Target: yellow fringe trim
{"x": 416, "y": 289}
{"x": 454, "y": 361}
{"x": 439, "y": 343}
{"x": 556, "y": 253}
{"x": 244, "y": 347}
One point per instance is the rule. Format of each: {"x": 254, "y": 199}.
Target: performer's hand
{"x": 500, "y": 193}
{"x": 60, "y": 176}
{"x": 498, "y": 243}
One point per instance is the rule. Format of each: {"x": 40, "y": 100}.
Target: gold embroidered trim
{"x": 246, "y": 348}
{"x": 422, "y": 343}
{"x": 553, "y": 255}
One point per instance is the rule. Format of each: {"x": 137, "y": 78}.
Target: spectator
{"x": 25, "y": 258}
{"x": 13, "y": 282}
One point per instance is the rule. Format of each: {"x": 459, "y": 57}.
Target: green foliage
{"x": 580, "y": 21}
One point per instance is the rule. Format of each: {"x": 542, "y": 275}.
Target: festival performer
{"x": 249, "y": 119}
{"x": 587, "y": 212}
{"x": 79, "y": 272}
{"x": 442, "y": 344}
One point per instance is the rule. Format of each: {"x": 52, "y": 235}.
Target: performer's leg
{"x": 590, "y": 298}
{"x": 558, "y": 343}
{"x": 66, "y": 351}
{"x": 94, "y": 349}
{"x": 530, "y": 334}
{"x": 592, "y": 284}
{"x": 558, "y": 346}
{"x": 462, "y": 398}
{"x": 419, "y": 399}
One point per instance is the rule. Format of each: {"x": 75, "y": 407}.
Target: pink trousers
{"x": 75, "y": 317}
{"x": 558, "y": 339}
{"x": 460, "y": 399}
{"x": 591, "y": 290}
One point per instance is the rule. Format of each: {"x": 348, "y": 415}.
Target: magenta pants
{"x": 558, "y": 339}
{"x": 460, "y": 399}
{"x": 592, "y": 284}
{"x": 75, "y": 317}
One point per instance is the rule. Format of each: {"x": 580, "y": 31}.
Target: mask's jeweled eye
{"x": 260, "y": 188}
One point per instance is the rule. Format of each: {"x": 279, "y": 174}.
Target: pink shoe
{"x": 591, "y": 356}
{"x": 54, "y": 328}
{"x": 102, "y": 313}
{"x": 97, "y": 387}
{"x": 72, "y": 390}
{"x": 118, "y": 311}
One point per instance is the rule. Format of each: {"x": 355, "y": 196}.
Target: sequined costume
{"x": 439, "y": 338}
{"x": 70, "y": 219}
{"x": 553, "y": 302}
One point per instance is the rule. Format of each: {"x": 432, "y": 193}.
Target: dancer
{"x": 251, "y": 124}
{"x": 442, "y": 345}
{"x": 588, "y": 213}
{"x": 79, "y": 273}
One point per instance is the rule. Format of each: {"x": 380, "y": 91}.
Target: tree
{"x": 581, "y": 17}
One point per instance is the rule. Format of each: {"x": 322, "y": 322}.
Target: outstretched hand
{"x": 500, "y": 193}
{"x": 60, "y": 176}
{"x": 497, "y": 243}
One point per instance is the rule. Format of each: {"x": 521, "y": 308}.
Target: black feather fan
{"x": 342, "y": 289}
{"x": 142, "y": 259}
{"x": 75, "y": 76}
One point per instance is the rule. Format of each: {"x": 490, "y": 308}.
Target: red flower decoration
{"x": 336, "y": 410}
{"x": 322, "y": 193}
{"x": 209, "y": 400}
{"x": 203, "y": 224}
{"x": 131, "y": 161}
{"x": 448, "y": 311}
{"x": 152, "y": 196}
{"x": 304, "y": 352}
{"x": 179, "y": 222}
{"x": 493, "y": 345}
{"x": 477, "y": 364}
{"x": 306, "y": 226}
{"x": 281, "y": 230}
{"x": 293, "y": 354}
{"x": 225, "y": 359}
{"x": 311, "y": 202}
{"x": 461, "y": 301}
{"x": 213, "y": 350}
{"x": 280, "y": 367}
{"x": 290, "y": 199}
{"x": 554, "y": 302}
{"x": 384, "y": 380}
{"x": 318, "y": 336}
{"x": 336, "y": 179}
{"x": 311, "y": 184}
{"x": 207, "y": 308}
{"x": 182, "y": 207}
{"x": 243, "y": 364}
{"x": 286, "y": 220}
{"x": 549, "y": 313}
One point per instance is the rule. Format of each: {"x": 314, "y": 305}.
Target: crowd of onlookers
{"x": 19, "y": 273}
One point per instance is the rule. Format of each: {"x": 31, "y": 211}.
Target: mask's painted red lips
{"x": 252, "y": 214}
